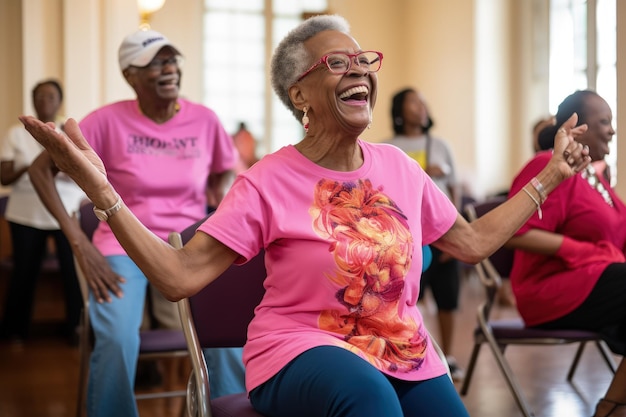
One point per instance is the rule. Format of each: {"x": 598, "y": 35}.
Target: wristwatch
{"x": 103, "y": 215}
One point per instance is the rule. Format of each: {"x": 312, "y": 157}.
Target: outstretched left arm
{"x": 472, "y": 242}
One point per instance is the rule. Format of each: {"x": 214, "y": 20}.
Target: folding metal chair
{"x": 213, "y": 318}
{"x": 498, "y": 334}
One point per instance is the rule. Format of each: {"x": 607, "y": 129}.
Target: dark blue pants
{"x": 329, "y": 381}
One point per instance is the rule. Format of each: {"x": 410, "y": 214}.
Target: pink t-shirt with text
{"x": 343, "y": 256}
{"x": 159, "y": 170}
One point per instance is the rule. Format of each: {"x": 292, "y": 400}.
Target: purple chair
{"x": 218, "y": 316}
{"x": 498, "y": 334}
{"x": 154, "y": 343}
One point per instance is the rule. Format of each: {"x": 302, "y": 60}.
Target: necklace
{"x": 590, "y": 175}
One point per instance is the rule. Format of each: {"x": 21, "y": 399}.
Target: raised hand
{"x": 71, "y": 154}
{"x": 570, "y": 156}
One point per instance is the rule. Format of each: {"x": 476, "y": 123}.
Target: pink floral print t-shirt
{"x": 343, "y": 257}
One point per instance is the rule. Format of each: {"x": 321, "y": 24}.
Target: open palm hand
{"x": 71, "y": 153}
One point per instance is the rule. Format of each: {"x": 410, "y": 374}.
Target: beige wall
{"x": 42, "y": 43}
{"x": 76, "y": 41}
{"x": 481, "y": 64}
{"x": 92, "y": 34}
{"x": 456, "y": 52}
{"x": 11, "y": 81}
{"x": 620, "y": 113}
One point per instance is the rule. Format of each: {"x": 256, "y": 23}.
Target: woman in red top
{"x": 569, "y": 269}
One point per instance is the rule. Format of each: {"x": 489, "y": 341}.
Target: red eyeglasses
{"x": 340, "y": 62}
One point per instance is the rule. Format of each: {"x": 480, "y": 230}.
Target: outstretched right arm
{"x": 176, "y": 273}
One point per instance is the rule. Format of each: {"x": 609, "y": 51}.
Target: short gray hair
{"x": 291, "y": 58}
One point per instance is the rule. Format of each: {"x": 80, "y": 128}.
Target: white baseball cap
{"x": 139, "y": 48}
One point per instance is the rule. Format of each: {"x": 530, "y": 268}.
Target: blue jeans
{"x": 226, "y": 371}
{"x": 330, "y": 381}
{"x": 113, "y": 361}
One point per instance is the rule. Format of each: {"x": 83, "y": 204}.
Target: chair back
{"x": 3, "y": 204}
{"x": 218, "y": 316}
{"x": 226, "y": 306}
{"x": 87, "y": 219}
{"x": 498, "y": 265}
{"x": 502, "y": 259}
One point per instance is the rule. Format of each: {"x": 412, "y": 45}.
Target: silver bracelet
{"x": 539, "y": 212}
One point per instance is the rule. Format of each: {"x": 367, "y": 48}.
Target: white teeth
{"x": 355, "y": 90}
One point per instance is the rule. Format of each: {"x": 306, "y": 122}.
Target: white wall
{"x": 620, "y": 112}
{"x": 491, "y": 107}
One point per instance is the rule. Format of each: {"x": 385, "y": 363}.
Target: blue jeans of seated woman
{"x": 114, "y": 358}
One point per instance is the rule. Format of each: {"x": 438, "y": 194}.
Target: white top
{"x": 24, "y": 206}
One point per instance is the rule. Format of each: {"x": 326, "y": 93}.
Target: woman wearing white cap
{"x": 165, "y": 155}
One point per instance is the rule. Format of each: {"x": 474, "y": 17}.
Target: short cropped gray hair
{"x": 291, "y": 58}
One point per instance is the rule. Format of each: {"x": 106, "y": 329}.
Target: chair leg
{"x": 470, "y": 367}
{"x": 84, "y": 351}
{"x": 606, "y": 354}
{"x": 170, "y": 379}
{"x": 183, "y": 408}
{"x": 498, "y": 353}
{"x": 173, "y": 368}
{"x": 572, "y": 368}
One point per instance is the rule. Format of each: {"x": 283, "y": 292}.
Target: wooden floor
{"x": 40, "y": 377}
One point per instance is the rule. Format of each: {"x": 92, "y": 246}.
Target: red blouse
{"x": 548, "y": 287}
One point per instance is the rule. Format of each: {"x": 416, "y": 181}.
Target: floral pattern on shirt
{"x": 372, "y": 247}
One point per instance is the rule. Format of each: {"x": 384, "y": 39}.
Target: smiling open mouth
{"x": 355, "y": 93}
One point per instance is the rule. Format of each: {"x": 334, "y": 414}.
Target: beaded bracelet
{"x": 543, "y": 196}
{"x": 539, "y": 212}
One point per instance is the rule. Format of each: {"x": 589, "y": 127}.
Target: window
{"x": 583, "y": 53}
{"x": 239, "y": 38}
